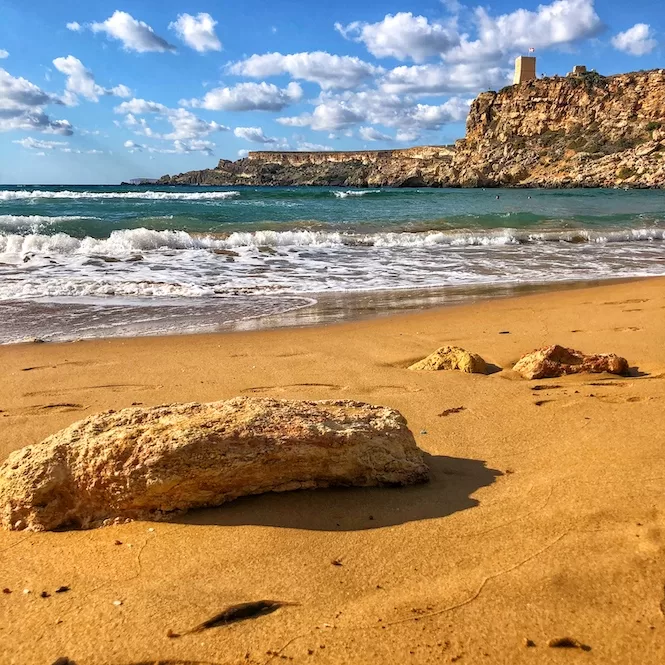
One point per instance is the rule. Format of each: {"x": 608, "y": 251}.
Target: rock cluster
{"x": 150, "y": 463}
{"x": 452, "y": 357}
{"x": 552, "y": 361}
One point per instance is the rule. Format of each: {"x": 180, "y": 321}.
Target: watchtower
{"x": 525, "y": 69}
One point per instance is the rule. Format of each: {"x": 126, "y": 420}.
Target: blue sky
{"x": 98, "y": 92}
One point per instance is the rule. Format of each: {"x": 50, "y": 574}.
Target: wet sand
{"x": 545, "y": 516}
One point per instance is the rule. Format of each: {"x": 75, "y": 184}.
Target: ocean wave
{"x": 35, "y": 223}
{"x": 19, "y": 195}
{"x": 364, "y": 192}
{"x": 126, "y": 241}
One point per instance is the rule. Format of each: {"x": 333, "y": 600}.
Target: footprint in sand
{"x": 265, "y": 389}
{"x": 626, "y": 302}
{"x": 112, "y": 387}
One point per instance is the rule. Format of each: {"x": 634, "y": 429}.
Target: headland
{"x": 580, "y": 130}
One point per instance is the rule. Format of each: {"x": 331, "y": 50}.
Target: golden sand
{"x": 545, "y": 517}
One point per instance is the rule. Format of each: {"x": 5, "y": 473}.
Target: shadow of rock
{"x": 453, "y": 481}
{"x": 636, "y": 372}
{"x": 493, "y": 369}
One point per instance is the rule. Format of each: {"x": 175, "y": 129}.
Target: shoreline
{"x": 323, "y": 309}
{"x": 543, "y": 518}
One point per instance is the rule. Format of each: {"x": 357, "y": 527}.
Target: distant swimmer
{"x": 497, "y": 197}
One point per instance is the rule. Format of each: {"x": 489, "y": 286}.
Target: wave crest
{"x": 19, "y": 195}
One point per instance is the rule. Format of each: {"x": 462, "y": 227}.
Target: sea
{"x": 79, "y": 262}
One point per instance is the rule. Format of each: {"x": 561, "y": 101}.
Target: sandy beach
{"x": 544, "y": 519}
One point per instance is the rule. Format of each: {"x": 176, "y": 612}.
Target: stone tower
{"x": 525, "y": 69}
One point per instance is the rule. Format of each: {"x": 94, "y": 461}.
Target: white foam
{"x": 364, "y": 192}
{"x": 35, "y": 222}
{"x": 17, "y": 195}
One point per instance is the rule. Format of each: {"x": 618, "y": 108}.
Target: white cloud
{"x": 558, "y": 24}
{"x": 22, "y": 107}
{"x": 74, "y": 26}
{"x": 637, "y": 40}
{"x": 305, "y": 146}
{"x": 134, "y": 35}
{"x": 453, "y": 6}
{"x": 3, "y": 54}
{"x": 438, "y": 79}
{"x": 243, "y": 153}
{"x": 407, "y": 136}
{"x": 372, "y": 134}
{"x": 31, "y": 143}
{"x": 334, "y": 112}
{"x": 254, "y": 134}
{"x": 140, "y": 107}
{"x": 197, "y": 31}
{"x": 81, "y": 81}
{"x": 132, "y": 146}
{"x": 248, "y": 97}
{"x": 185, "y": 126}
{"x": 403, "y": 36}
{"x": 328, "y": 71}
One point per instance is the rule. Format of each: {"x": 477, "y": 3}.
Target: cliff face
{"x": 578, "y": 131}
{"x": 583, "y": 131}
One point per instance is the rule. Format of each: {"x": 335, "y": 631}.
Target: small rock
{"x": 44, "y": 594}
{"x": 529, "y": 643}
{"x": 452, "y": 357}
{"x": 26, "y": 591}
{"x": 117, "y": 603}
{"x": 555, "y": 360}
{"x": 6, "y": 590}
{"x": 567, "y": 643}
{"x": 62, "y": 589}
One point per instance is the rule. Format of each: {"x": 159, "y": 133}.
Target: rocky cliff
{"x": 578, "y": 131}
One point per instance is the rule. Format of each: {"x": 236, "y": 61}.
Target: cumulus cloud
{"x": 81, "y": 81}
{"x": 637, "y": 40}
{"x": 185, "y": 126}
{"x": 249, "y": 97}
{"x": 326, "y": 70}
{"x": 403, "y": 36}
{"x": 305, "y": 146}
{"x": 243, "y": 153}
{"x": 197, "y": 31}
{"x": 334, "y": 112}
{"x": 74, "y": 26}
{"x": 439, "y": 79}
{"x": 407, "y": 135}
{"x": 373, "y": 134}
{"x": 253, "y": 134}
{"x": 561, "y": 23}
{"x": 3, "y": 54}
{"x": 135, "y": 35}
{"x": 22, "y": 107}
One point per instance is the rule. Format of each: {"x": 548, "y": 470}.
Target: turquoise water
{"x": 127, "y": 260}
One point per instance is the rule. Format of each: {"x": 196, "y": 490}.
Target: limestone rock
{"x": 552, "y": 361}
{"x": 149, "y": 463}
{"x": 452, "y": 357}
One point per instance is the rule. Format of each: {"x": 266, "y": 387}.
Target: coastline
{"x": 543, "y": 518}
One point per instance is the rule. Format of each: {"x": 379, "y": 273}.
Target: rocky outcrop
{"x": 575, "y": 131}
{"x": 150, "y": 463}
{"x": 552, "y": 361}
{"x": 452, "y": 357}
{"x": 411, "y": 167}
{"x": 583, "y": 130}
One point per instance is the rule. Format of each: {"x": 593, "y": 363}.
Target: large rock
{"x": 452, "y": 357}
{"x": 552, "y": 361}
{"x": 149, "y": 463}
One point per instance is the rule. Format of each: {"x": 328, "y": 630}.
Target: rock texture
{"x": 149, "y": 463}
{"x": 452, "y": 357}
{"x": 576, "y": 131}
{"x": 552, "y": 361}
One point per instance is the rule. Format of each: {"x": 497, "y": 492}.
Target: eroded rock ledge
{"x": 149, "y": 463}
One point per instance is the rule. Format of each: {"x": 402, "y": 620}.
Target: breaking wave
{"x": 142, "y": 239}
{"x": 364, "y": 192}
{"x": 16, "y": 195}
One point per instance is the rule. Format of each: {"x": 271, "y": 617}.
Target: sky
{"x": 100, "y": 92}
